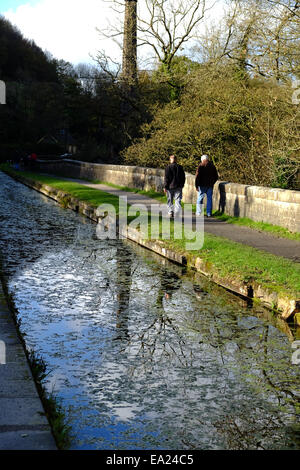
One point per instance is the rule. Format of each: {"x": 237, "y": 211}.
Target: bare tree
{"x": 292, "y": 6}
{"x": 162, "y": 25}
{"x": 129, "y": 65}
{"x": 167, "y": 25}
{"x": 260, "y": 36}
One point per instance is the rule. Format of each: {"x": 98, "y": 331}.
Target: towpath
{"x": 257, "y": 239}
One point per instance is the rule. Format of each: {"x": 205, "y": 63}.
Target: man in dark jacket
{"x": 206, "y": 177}
{"x": 174, "y": 182}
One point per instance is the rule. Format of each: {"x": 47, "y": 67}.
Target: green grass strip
{"x": 234, "y": 260}
{"x": 161, "y": 197}
{"x": 77, "y": 190}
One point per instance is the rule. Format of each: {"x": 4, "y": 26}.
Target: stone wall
{"x": 273, "y": 205}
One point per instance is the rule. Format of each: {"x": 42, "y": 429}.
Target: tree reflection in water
{"x": 259, "y": 360}
{"x": 252, "y": 353}
{"x": 124, "y": 276}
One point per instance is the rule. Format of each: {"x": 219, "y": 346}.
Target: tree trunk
{"x": 129, "y": 65}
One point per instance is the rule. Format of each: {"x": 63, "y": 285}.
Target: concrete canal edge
{"x": 23, "y": 421}
{"x": 277, "y": 301}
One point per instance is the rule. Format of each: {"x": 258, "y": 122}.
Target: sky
{"x": 66, "y": 28}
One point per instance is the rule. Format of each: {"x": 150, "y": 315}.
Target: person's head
{"x": 173, "y": 159}
{"x": 204, "y": 160}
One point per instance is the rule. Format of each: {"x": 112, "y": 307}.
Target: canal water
{"x": 140, "y": 353}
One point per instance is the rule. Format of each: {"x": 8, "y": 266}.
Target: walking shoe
{"x": 208, "y": 215}
{"x": 171, "y": 215}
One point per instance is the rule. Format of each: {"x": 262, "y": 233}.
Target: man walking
{"x": 206, "y": 177}
{"x": 174, "y": 182}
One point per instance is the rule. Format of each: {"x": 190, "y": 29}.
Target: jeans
{"x": 174, "y": 197}
{"x": 208, "y": 190}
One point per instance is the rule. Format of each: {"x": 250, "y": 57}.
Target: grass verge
{"x": 151, "y": 193}
{"x": 76, "y": 190}
{"x": 232, "y": 260}
{"x": 229, "y": 259}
